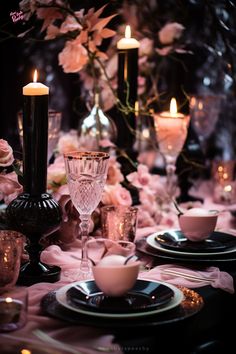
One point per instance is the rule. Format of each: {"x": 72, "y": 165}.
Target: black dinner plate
{"x": 224, "y": 261}
{"x": 216, "y": 242}
{"x": 190, "y": 305}
{"x": 144, "y": 296}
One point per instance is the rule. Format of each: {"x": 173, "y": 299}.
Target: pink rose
{"x": 6, "y": 154}
{"x": 56, "y": 174}
{"x": 74, "y": 56}
{"x": 114, "y": 175}
{"x": 141, "y": 178}
{"x": 144, "y": 218}
{"x": 68, "y": 142}
{"x": 116, "y": 195}
{"x": 146, "y": 46}
{"x": 170, "y": 32}
{"x": 9, "y": 187}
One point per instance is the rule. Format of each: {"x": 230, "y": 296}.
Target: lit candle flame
{"x": 25, "y": 351}
{"x": 35, "y": 77}
{"x": 127, "y": 32}
{"x": 173, "y": 106}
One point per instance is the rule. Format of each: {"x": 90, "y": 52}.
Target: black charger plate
{"x": 190, "y": 305}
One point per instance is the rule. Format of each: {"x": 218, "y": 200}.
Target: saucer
{"x": 176, "y": 240}
{"x": 143, "y": 296}
{"x": 153, "y": 243}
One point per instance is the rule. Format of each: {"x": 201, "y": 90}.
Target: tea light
{"x": 224, "y": 193}
{"x": 10, "y": 311}
{"x": 171, "y": 129}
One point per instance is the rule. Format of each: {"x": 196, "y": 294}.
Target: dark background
{"x": 206, "y": 35}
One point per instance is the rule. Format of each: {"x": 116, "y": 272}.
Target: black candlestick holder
{"x": 34, "y": 213}
{"x": 35, "y": 216}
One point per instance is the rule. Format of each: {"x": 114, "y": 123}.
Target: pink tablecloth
{"x": 87, "y": 339}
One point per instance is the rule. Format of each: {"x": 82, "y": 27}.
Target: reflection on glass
{"x": 54, "y": 126}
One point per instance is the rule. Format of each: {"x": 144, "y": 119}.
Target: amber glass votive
{"x": 119, "y": 222}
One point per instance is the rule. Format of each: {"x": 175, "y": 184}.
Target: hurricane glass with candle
{"x": 86, "y": 177}
{"x": 171, "y": 132}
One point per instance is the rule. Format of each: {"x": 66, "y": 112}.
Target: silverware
{"x": 186, "y": 275}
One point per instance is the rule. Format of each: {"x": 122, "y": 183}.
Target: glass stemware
{"x": 204, "y": 113}
{"x": 171, "y": 132}
{"x": 86, "y": 177}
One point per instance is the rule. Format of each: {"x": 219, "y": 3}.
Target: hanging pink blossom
{"x": 74, "y": 56}
{"x": 170, "y": 32}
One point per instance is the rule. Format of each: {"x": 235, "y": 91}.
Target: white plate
{"x": 175, "y": 301}
{"x": 154, "y": 244}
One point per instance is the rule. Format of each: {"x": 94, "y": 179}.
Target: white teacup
{"x": 197, "y": 224}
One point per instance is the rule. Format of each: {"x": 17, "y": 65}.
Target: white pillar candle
{"x": 35, "y": 88}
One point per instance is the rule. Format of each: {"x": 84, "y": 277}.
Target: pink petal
{"x": 106, "y": 33}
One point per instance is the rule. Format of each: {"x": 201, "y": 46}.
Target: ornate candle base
{"x": 35, "y": 216}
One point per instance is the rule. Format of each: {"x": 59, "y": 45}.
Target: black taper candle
{"x": 127, "y": 94}
{"x": 34, "y": 212}
{"x": 35, "y": 142}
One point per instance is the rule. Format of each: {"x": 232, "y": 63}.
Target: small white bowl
{"x": 197, "y": 224}
{"x": 114, "y": 278}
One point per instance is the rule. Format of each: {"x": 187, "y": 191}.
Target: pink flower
{"x": 170, "y": 32}
{"x": 52, "y": 32}
{"x": 68, "y": 142}
{"x": 74, "y": 56}
{"x": 116, "y": 195}
{"x": 56, "y": 173}
{"x": 49, "y": 15}
{"x": 148, "y": 201}
{"x": 144, "y": 218}
{"x": 114, "y": 175}
{"x": 146, "y": 47}
{"x": 6, "y": 154}
{"x": 140, "y": 178}
{"x": 71, "y": 24}
{"x": 10, "y": 188}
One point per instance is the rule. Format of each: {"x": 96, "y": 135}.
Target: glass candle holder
{"x": 13, "y": 309}
{"x": 119, "y": 222}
